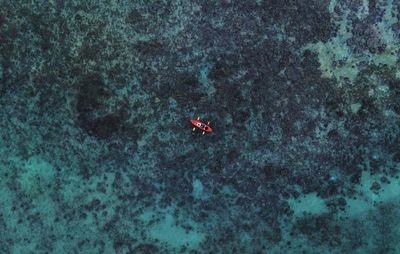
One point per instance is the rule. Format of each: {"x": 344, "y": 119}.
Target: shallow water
{"x": 97, "y": 150}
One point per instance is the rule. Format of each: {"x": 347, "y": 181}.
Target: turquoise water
{"x": 97, "y": 151}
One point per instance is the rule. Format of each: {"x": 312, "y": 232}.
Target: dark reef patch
{"x": 220, "y": 71}
{"x": 185, "y": 88}
{"x": 307, "y": 21}
{"x": 100, "y": 115}
{"x": 153, "y": 47}
{"x": 145, "y": 249}
{"x": 104, "y": 127}
{"x": 91, "y": 98}
{"x": 321, "y": 229}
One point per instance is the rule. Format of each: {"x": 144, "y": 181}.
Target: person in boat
{"x": 202, "y": 126}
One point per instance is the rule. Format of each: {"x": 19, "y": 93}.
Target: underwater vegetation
{"x": 97, "y": 154}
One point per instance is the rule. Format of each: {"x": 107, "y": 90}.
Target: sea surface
{"x": 97, "y": 152}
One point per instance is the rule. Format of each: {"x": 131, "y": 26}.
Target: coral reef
{"x": 97, "y": 152}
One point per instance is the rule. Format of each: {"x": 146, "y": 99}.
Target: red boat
{"x": 202, "y": 126}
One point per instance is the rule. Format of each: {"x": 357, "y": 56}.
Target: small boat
{"x": 202, "y": 126}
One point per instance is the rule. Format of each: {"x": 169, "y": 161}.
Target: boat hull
{"x": 202, "y": 126}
